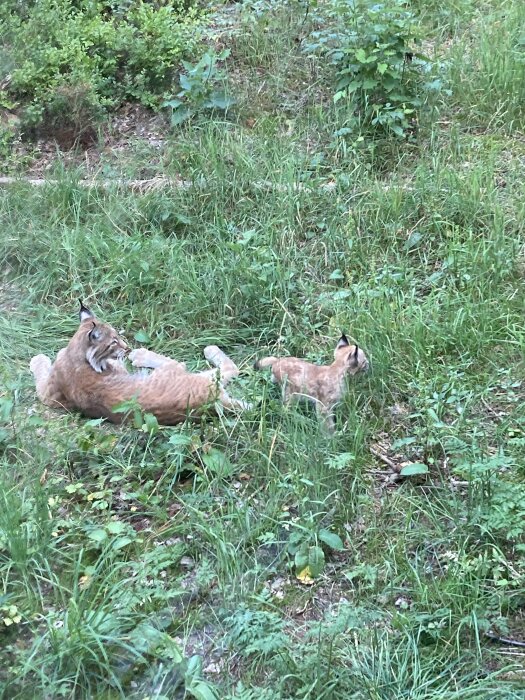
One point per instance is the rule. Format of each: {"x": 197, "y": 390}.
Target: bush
{"x": 114, "y": 51}
{"x": 372, "y": 46}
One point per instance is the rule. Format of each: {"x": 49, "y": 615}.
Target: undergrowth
{"x": 92, "y": 55}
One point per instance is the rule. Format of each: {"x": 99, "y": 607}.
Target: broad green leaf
{"x": 120, "y": 542}
{"x": 218, "y": 463}
{"x": 151, "y": 424}
{"x": 413, "y": 240}
{"x": 414, "y": 469}
{"x": 315, "y": 561}
{"x": 221, "y": 101}
{"x": 360, "y": 55}
{"x": 116, "y": 527}
{"x": 125, "y": 406}
{"x": 174, "y": 103}
{"x": 194, "y": 667}
{"x": 402, "y": 442}
{"x": 180, "y": 115}
{"x": 331, "y": 539}
{"x": 179, "y": 440}
{"x": 381, "y": 67}
{"x": 201, "y": 690}
{"x": 301, "y": 557}
{"x": 142, "y": 337}
{"x": 98, "y": 535}
{"x": 185, "y": 82}
{"x": 145, "y": 638}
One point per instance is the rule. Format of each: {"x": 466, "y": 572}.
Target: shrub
{"x": 372, "y": 46}
{"x": 115, "y": 51}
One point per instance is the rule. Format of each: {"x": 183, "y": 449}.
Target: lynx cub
{"x": 323, "y": 385}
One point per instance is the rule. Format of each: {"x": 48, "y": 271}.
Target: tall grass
{"x": 487, "y": 69}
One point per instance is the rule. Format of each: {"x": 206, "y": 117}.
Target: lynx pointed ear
{"x": 94, "y": 333}
{"x": 84, "y": 312}
{"x": 356, "y": 352}
{"x": 343, "y": 342}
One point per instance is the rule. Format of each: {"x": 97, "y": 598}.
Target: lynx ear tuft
{"x": 343, "y": 341}
{"x": 356, "y": 352}
{"x": 84, "y": 312}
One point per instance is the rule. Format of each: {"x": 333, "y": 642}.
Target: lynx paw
{"x": 39, "y": 363}
{"x": 139, "y": 357}
{"x": 214, "y": 355}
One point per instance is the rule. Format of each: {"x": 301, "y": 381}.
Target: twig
{"x": 384, "y": 459}
{"x": 456, "y": 482}
{"x": 490, "y": 409}
{"x": 504, "y": 640}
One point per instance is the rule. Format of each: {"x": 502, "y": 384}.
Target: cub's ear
{"x": 84, "y": 312}
{"x": 351, "y": 358}
{"x": 94, "y": 333}
{"x": 343, "y": 342}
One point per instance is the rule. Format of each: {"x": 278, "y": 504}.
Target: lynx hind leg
{"x": 40, "y": 366}
{"x": 141, "y": 357}
{"x": 326, "y": 417}
{"x": 227, "y": 367}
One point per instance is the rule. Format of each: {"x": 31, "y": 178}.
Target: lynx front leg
{"x": 234, "y": 404}
{"x": 40, "y": 366}
{"x": 227, "y": 367}
{"x": 141, "y": 357}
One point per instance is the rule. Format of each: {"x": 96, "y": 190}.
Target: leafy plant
{"x": 199, "y": 92}
{"x": 377, "y": 70}
{"x": 501, "y": 505}
{"x": 256, "y": 631}
{"x": 90, "y": 56}
{"x": 305, "y": 545}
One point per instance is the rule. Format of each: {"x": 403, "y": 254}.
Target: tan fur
{"x": 89, "y": 376}
{"x": 324, "y": 385}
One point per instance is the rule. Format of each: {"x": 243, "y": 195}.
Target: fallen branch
{"x": 159, "y": 183}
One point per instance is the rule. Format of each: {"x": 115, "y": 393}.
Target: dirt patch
{"x": 130, "y": 125}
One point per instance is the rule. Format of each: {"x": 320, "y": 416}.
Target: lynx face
{"x": 104, "y": 344}
{"x": 352, "y": 355}
{"x": 102, "y": 341}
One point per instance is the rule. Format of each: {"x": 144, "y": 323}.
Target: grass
{"x": 137, "y": 564}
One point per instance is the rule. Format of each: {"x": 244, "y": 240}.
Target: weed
{"x": 375, "y": 56}
{"x": 198, "y": 92}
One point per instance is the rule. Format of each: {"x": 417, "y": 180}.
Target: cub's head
{"x": 100, "y": 341}
{"x": 351, "y": 355}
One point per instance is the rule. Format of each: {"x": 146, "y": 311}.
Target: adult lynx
{"x": 323, "y": 385}
{"x": 89, "y": 376}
